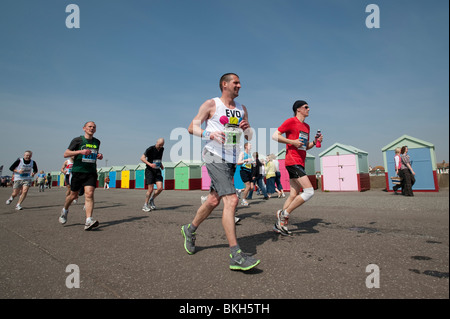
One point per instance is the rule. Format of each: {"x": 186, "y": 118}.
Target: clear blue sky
{"x": 140, "y": 69}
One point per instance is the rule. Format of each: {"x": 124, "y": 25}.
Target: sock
{"x": 192, "y": 228}
{"x": 88, "y": 220}
{"x": 234, "y": 250}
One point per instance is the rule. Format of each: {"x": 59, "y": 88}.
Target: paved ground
{"x": 133, "y": 254}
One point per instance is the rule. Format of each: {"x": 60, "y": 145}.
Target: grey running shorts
{"x": 221, "y": 174}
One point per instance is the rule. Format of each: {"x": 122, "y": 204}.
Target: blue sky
{"x": 140, "y": 69}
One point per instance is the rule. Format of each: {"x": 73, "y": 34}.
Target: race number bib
{"x": 26, "y": 171}
{"x": 303, "y": 137}
{"x": 232, "y": 135}
{"x": 91, "y": 158}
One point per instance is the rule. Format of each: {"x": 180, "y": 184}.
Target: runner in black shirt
{"x": 152, "y": 157}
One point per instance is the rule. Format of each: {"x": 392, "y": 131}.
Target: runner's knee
{"x": 307, "y": 194}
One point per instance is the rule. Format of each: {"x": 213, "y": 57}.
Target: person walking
{"x": 245, "y": 160}
{"x": 41, "y": 181}
{"x": 85, "y": 150}
{"x": 297, "y": 143}
{"x": 152, "y": 157}
{"x": 24, "y": 168}
{"x": 398, "y": 170}
{"x": 226, "y": 122}
{"x": 258, "y": 172}
{"x": 270, "y": 175}
{"x": 278, "y": 186}
{"x": 407, "y": 172}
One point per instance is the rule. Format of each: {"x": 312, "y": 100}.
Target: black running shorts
{"x": 79, "y": 180}
{"x": 296, "y": 171}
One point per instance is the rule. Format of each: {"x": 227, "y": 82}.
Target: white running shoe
{"x": 203, "y": 198}
{"x": 90, "y": 224}
{"x": 18, "y": 207}
{"x": 244, "y": 202}
{"x": 63, "y": 217}
{"x": 9, "y": 201}
{"x": 145, "y": 208}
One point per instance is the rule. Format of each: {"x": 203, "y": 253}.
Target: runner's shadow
{"x": 172, "y": 207}
{"x": 119, "y": 221}
{"x": 250, "y": 243}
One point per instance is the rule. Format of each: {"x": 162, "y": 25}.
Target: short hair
{"x": 226, "y": 78}
{"x": 89, "y": 122}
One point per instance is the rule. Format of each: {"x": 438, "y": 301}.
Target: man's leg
{"x": 230, "y": 203}
{"x": 89, "y": 200}
{"x": 23, "y": 195}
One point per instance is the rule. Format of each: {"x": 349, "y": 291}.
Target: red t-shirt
{"x": 294, "y": 129}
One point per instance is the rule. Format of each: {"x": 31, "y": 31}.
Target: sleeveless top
{"x": 27, "y": 170}
{"x": 68, "y": 167}
{"x": 247, "y": 165}
{"x": 225, "y": 120}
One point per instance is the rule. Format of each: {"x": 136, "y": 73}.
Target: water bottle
{"x": 318, "y": 144}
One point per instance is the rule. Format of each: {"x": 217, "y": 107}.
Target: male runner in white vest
{"x": 23, "y": 171}
{"x": 226, "y": 122}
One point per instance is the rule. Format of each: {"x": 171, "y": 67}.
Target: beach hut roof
{"x": 188, "y": 163}
{"x": 349, "y": 148}
{"x": 282, "y": 154}
{"x": 412, "y": 142}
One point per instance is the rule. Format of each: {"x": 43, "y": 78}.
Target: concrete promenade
{"x": 133, "y": 254}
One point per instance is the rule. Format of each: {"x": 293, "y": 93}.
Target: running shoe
{"x": 244, "y": 202}
{"x": 203, "y": 199}
{"x": 63, "y": 217}
{"x": 242, "y": 261}
{"x": 18, "y": 207}
{"x": 189, "y": 239}
{"x": 9, "y": 201}
{"x": 91, "y": 224}
{"x": 152, "y": 204}
{"x": 236, "y": 219}
{"x": 145, "y": 208}
{"x": 280, "y": 226}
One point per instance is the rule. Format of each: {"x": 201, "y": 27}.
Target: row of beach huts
{"x": 342, "y": 168}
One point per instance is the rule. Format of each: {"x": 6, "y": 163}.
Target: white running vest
{"x": 27, "y": 170}
{"x": 219, "y": 122}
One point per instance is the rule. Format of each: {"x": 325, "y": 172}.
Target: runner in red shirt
{"x": 297, "y": 143}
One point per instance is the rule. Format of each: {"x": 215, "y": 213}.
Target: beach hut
{"x": 206, "y": 180}
{"x": 188, "y": 175}
{"x": 344, "y": 168}
{"x": 102, "y": 172}
{"x": 115, "y": 176}
{"x": 61, "y": 180}
{"x": 100, "y": 178}
{"x": 139, "y": 176}
{"x": 129, "y": 176}
{"x": 423, "y": 162}
{"x": 310, "y": 169}
{"x": 169, "y": 175}
{"x": 56, "y": 179}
